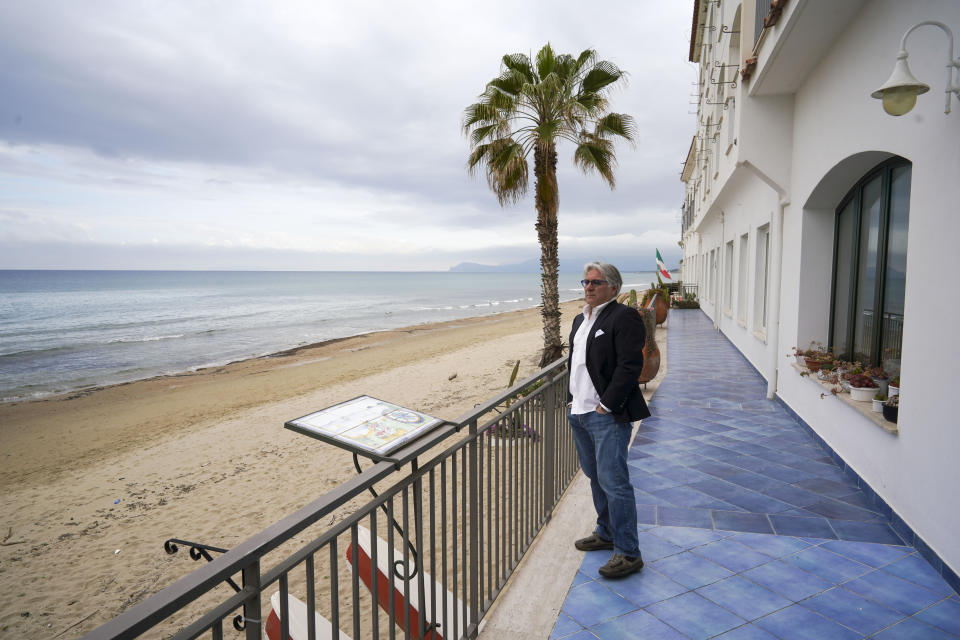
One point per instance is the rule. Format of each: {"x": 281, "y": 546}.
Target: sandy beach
{"x": 94, "y": 482}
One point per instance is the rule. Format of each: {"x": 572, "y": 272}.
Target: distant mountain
{"x": 527, "y": 266}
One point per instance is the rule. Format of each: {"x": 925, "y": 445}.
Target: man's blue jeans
{"x": 602, "y": 448}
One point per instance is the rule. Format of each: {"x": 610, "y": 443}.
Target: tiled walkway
{"x": 749, "y": 529}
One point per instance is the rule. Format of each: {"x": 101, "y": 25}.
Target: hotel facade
{"x": 812, "y": 215}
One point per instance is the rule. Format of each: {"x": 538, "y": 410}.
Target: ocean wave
{"x": 149, "y": 338}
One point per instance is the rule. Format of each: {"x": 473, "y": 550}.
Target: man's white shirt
{"x": 585, "y": 396}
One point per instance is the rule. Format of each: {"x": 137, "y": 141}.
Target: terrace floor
{"x": 748, "y": 527}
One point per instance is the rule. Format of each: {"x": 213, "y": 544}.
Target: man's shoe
{"x": 621, "y": 566}
{"x": 593, "y": 542}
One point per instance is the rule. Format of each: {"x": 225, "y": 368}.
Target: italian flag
{"x": 662, "y": 268}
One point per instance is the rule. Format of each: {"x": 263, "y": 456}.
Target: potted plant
{"x": 891, "y": 408}
{"x": 660, "y": 296}
{"x": 893, "y": 389}
{"x": 880, "y": 377}
{"x": 800, "y": 355}
{"x": 827, "y": 370}
{"x": 878, "y": 401}
{"x": 862, "y": 387}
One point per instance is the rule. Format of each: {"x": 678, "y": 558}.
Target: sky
{"x": 282, "y": 134}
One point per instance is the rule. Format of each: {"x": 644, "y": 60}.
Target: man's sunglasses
{"x": 595, "y": 283}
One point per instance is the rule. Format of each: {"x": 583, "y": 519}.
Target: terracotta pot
{"x": 662, "y": 307}
{"x": 651, "y": 364}
{"x": 651, "y": 352}
{"x": 813, "y": 365}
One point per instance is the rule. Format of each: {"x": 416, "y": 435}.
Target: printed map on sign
{"x": 367, "y": 423}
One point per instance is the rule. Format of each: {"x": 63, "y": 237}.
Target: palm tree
{"x": 528, "y": 109}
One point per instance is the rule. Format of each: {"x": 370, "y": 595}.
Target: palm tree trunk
{"x": 547, "y": 202}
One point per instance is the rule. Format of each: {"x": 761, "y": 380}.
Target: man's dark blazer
{"x": 614, "y": 360}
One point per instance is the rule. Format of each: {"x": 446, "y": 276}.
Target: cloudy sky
{"x": 313, "y": 134}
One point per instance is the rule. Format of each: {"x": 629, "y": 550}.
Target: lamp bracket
{"x": 952, "y": 62}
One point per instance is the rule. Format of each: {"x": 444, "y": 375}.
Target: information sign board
{"x": 365, "y": 425}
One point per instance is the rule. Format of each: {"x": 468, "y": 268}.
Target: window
{"x": 728, "y": 276}
{"x": 760, "y": 282}
{"x": 742, "y": 280}
{"x": 870, "y": 267}
{"x": 762, "y": 8}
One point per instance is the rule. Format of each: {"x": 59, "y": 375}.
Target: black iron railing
{"x": 424, "y": 559}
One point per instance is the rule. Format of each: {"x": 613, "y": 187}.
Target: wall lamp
{"x": 899, "y": 93}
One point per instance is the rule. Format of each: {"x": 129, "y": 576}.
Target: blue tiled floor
{"x": 748, "y": 527}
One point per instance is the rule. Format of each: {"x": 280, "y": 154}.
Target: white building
{"x": 810, "y": 211}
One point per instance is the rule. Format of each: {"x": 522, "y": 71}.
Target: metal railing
{"x": 465, "y": 517}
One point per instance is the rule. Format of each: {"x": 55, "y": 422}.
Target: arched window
{"x": 870, "y": 267}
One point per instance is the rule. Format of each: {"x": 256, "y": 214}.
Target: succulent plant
{"x": 861, "y": 381}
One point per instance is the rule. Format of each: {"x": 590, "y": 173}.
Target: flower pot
{"x": 662, "y": 307}
{"x": 801, "y": 360}
{"x": 877, "y": 406}
{"x": 890, "y": 413}
{"x": 813, "y": 365}
{"x": 862, "y": 394}
{"x": 893, "y": 391}
{"x": 882, "y": 385}
{"x": 651, "y": 353}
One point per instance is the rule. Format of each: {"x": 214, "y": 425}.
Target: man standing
{"x": 605, "y": 361}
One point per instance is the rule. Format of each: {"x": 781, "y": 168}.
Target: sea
{"x": 63, "y": 331}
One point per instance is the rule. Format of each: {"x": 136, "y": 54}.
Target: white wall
{"x": 834, "y": 123}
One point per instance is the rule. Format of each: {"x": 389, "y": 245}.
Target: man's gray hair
{"x": 609, "y": 272}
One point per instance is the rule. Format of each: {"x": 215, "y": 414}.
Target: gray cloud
{"x": 300, "y": 96}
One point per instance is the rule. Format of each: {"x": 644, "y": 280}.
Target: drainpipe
{"x": 719, "y": 310}
{"x": 773, "y": 319}
{"x": 776, "y": 270}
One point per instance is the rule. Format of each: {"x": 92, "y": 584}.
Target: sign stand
{"x": 375, "y": 428}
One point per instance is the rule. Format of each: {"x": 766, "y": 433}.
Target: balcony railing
{"x": 465, "y": 517}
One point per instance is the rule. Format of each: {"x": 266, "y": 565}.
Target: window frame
{"x": 855, "y": 195}
{"x": 761, "y": 281}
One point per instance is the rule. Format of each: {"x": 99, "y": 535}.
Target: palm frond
{"x": 596, "y": 154}
{"x": 509, "y": 82}
{"x": 616, "y": 124}
{"x": 601, "y": 75}
{"x": 587, "y": 56}
{"x": 479, "y": 112}
{"x": 519, "y": 63}
{"x": 482, "y": 133}
{"x": 546, "y": 61}
{"x": 507, "y": 170}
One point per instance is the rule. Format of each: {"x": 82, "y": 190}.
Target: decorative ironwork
{"x": 200, "y": 551}
{"x": 732, "y": 83}
{"x": 396, "y": 525}
{"x": 725, "y": 29}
